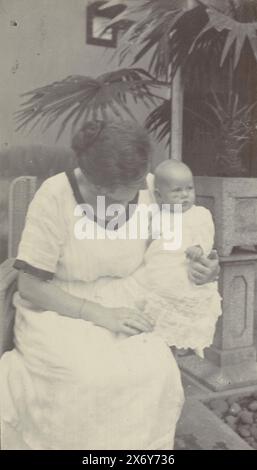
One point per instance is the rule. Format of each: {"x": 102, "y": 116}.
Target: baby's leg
{"x": 186, "y": 322}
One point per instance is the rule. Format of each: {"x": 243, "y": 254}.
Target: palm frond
{"x": 77, "y": 98}
{"x": 171, "y": 32}
{"x": 159, "y": 121}
{"x": 150, "y": 31}
{"x": 237, "y": 34}
{"x": 196, "y": 116}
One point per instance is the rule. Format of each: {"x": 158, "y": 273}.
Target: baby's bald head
{"x": 170, "y": 170}
{"x": 173, "y": 183}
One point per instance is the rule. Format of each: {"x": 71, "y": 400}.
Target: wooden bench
{"x": 21, "y": 192}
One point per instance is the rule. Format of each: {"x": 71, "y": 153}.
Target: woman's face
{"x": 123, "y": 194}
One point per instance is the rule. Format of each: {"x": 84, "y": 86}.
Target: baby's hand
{"x": 194, "y": 253}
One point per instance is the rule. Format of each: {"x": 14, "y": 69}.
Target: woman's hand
{"x": 124, "y": 320}
{"x": 205, "y": 269}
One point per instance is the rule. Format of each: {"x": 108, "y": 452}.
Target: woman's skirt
{"x": 69, "y": 384}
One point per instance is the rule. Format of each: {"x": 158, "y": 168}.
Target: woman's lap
{"x": 80, "y": 386}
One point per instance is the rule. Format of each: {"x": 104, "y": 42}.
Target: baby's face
{"x": 178, "y": 189}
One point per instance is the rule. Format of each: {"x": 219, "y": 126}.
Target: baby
{"x": 190, "y": 319}
{"x": 183, "y": 314}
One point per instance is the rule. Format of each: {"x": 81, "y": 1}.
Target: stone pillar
{"x": 231, "y": 360}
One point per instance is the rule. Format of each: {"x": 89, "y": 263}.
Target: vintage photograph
{"x": 128, "y": 226}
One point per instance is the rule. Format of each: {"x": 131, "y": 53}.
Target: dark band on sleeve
{"x": 37, "y": 272}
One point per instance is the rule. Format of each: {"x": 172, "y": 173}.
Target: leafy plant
{"x": 231, "y": 126}
{"x": 234, "y": 129}
{"x": 212, "y": 42}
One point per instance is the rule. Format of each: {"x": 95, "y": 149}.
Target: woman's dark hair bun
{"x": 87, "y": 135}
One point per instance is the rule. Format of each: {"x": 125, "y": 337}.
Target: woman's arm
{"x": 46, "y": 295}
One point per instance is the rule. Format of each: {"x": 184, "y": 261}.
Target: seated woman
{"x": 73, "y": 381}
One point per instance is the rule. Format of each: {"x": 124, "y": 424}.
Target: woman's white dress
{"x": 69, "y": 384}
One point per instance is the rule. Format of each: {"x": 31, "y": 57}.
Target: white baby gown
{"x": 184, "y": 314}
